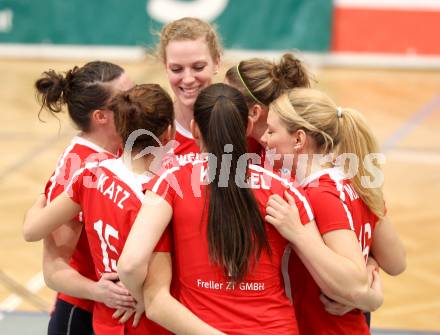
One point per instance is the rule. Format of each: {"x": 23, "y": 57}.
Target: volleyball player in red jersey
{"x": 349, "y": 212}
{"x": 228, "y": 259}
{"x": 109, "y": 194}
{"x": 86, "y": 91}
{"x": 262, "y": 81}
{"x": 190, "y": 50}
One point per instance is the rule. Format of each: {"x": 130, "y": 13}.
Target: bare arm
{"x": 337, "y": 265}
{"x": 388, "y": 249}
{"x": 40, "y": 220}
{"x": 153, "y": 218}
{"x": 163, "y": 308}
{"x": 53, "y": 222}
{"x": 336, "y": 308}
{"x": 61, "y": 277}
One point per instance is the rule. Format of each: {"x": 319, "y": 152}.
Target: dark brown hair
{"x": 236, "y": 230}
{"x": 83, "y": 89}
{"x": 266, "y": 80}
{"x": 146, "y": 106}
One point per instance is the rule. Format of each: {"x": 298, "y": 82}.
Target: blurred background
{"x": 381, "y": 57}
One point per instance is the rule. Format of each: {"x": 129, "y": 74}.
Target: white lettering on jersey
{"x": 229, "y": 285}
{"x": 110, "y": 190}
{"x": 203, "y": 174}
{"x": 118, "y": 189}
{"x": 189, "y": 158}
{"x": 257, "y": 181}
{"x": 117, "y": 197}
{"x": 101, "y": 181}
{"x": 104, "y": 235}
{"x": 364, "y": 237}
{"x": 125, "y": 197}
{"x": 351, "y": 192}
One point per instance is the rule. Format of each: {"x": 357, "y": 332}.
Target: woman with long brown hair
{"x": 109, "y": 195}
{"x": 85, "y": 92}
{"x": 227, "y": 258}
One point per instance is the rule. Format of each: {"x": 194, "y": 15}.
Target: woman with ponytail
{"x": 227, "y": 258}
{"x": 326, "y": 141}
{"x": 109, "y": 193}
{"x": 262, "y": 81}
{"x": 85, "y": 92}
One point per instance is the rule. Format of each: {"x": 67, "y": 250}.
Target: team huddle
{"x": 210, "y": 213}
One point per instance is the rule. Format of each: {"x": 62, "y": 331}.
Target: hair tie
{"x": 339, "y": 112}
{"x": 245, "y": 86}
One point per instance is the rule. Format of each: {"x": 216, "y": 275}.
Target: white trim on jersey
{"x": 76, "y": 140}
{"x": 335, "y": 174}
{"x": 76, "y": 174}
{"x": 288, "y": 184}
{"x": 133, "y": 180}
{"x": 82, "y": 141}
{"x": 130, "y": 178}
{"x": 315, "y": 176}
{"x": 57, "y": 171}
{"x": 285, "y": 271}
{"x": 162, "y": 177}
{"x": 182, "y": 131}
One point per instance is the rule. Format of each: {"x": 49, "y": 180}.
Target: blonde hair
{"x": 189, "y": 28}
{"x": 334, "y": 129}
{"x": 262, "y": 81}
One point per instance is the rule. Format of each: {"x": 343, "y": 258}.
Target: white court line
{"x": 35, "y": 284}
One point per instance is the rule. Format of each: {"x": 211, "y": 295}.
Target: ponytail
{"x": 355, "y": 137}
{"x": 334, "y": 130}
{"x": 49, "y": 89}
{"x": 83, "y": 89}
{"x": 236, "y": 230}
{"x": 146, "y": 106}
{"x": 262, "y": 81}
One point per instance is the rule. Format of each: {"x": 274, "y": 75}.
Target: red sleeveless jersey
{"x": 336, "y": 205}
{"x": 258, "y": 304}
{"x": 110, "y": 197}
{"x": 76, "y": 155}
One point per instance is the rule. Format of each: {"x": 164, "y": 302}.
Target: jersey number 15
{"x": 104, "y": 234}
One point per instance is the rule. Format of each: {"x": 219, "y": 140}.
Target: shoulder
{"x": 329, "y": 181}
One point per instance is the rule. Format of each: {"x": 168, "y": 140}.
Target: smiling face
{"x": 190, "y": 68}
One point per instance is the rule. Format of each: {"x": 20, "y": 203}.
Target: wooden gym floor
{"x": 403, "y": 107}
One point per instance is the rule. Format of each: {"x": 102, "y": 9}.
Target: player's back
{"x": 336, "y": 205}
{"x": 110, "y": 196}
{"x": 75, "y": 156}
{"x": 258, "y": 304}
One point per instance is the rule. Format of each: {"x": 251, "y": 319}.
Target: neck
{"x": 101, "y": 140}
{"x": 184, "y": 115}
{"x": 308, "y": 165}
{"x": 139, "y": 165}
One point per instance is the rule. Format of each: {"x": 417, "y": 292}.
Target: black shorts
{"x": 368, "y": 318}
{"x": 68, "y": 319}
